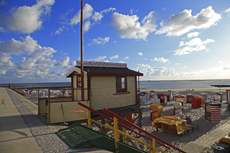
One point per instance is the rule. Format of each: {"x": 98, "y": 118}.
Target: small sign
{"x": 101, "y": 64}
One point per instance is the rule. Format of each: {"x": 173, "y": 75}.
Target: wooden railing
{"x": 152, "y": 141}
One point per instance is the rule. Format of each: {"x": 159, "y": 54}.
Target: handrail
{"x": 137, "y": 127}
{"x": 106, "y": 117}
{"x": 121, "y": 132}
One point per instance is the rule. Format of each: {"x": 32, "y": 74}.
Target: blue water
{"x": 181, "y": 84}
{"x": 143, "y": 84}
{"x": 31, "y": 85}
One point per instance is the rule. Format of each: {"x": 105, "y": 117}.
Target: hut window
{"x": 79, "y": 81}
{"x": 121, "y": 84}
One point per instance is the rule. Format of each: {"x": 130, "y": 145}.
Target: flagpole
{"x": 82, "y": 75}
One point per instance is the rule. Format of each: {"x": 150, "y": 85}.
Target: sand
{"x": 200, "y": 140}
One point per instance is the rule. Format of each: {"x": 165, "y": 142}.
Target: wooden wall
{"x": 56, "y": 111}
{"x": 42, "y": 107}
{"x": 103, "y": 93}
{"x": 77, "y": 90}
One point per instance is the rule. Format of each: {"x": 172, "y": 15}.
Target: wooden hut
{"x": 106, "y": 85}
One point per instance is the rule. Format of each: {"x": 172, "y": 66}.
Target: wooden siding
{"x": 42, "y": 103}
{"x": 103, "y": 90}
{"x": 74, "y": 86}
{"x": 77, "y": 91}
{"x": 56, "y": 111}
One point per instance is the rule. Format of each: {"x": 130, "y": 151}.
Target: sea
{"x": 165, "y": 84}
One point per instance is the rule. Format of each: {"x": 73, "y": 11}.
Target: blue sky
{"x": 165, "y": 40}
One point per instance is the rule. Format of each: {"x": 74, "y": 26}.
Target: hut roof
{"x": 104, "y": 71}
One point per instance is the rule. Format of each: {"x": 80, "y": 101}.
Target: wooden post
{"x": 89, "y": 117}
{"x": 150, "y": 149}
{"x": 124, "y": 138}
{"x": 154, "y": 145}
{"x": 115, "y": 133}
{"x": 82, "y": 75}
{"x": 63, "y": 117}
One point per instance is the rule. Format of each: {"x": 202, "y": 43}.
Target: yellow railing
{"x": 151, "y": 145}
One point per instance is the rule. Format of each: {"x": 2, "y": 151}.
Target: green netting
{"x": 78, "y": 135}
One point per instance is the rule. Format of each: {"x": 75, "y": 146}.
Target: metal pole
{"x": 82, "y": 75}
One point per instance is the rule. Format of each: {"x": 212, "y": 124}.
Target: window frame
{"x": 79, "y": 77}
{"x": 119, "y": 84}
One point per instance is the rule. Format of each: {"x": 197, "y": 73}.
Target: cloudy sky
{"x": 165, "y": 40}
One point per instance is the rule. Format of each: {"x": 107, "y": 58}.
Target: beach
{"x": 206, "y": 136}
{"x": 203, "y": 139}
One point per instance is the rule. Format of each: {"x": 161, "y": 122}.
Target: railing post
{"x": 89, "y": 117}
{"x": 150, "y": 149}
{"x": 115, "y": 133}
{"x": 124, "y": 138}
{"x": 154, "y": 145}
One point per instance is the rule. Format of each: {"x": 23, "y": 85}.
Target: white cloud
{"x": 43, "y": 61}
{"x": 58, "y": 31}
{"x": 121, "y": 62}
{"x": 162, "y": 73}
{"x": 188, "y": 50}
{"x": 61, "y": 29}
{"x": 177, "y": 63}
{"x": 150, "y": 72}
{"x": 132, "y": 11}
{"x": 87, "y": 13}
{"x": 144, "y": 66}
{"x": 89, "y": 17}
{"x": 26, "y": 19}
{"x": 162, "y": 60}
{"x": 100, "y": 58}
{"x": 220, "y": 62}
{"x": 127, "y": 57}
{"x": 185, "y": 67}
{"x": 5, "y": 63}
{"x": 226, "y": 68}
{"x": 30, "y": 62}
{"x": 5, "y": 58}
{"x": 114, "y": 57}
{"x": 105, "y": 61}
{"x": 63, "y": 62}
{"x": 57, "y": 73}
{"x": 183, "y": 22}
{"x": 129, "y": 27}
{"x": 16, "y": 47}
{"x": 195, "y": 44}
{"x": 227, "y": 11}
{"x": 35, "y": 65}
{"x": 4, "y": 67}
{"x": 140, "y": 53}
{"x": 100, "y": 40}
{"x": 97, "y": 16}
{"x": 192, "y": 34}
{"x": 87, "y": 26}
